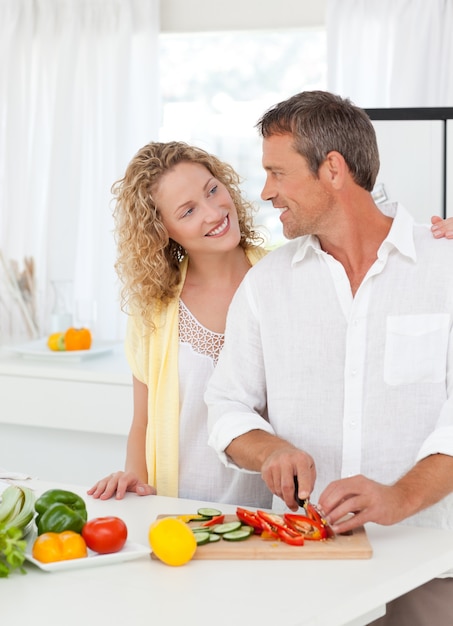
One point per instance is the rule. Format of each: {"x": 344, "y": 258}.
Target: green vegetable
{"x": 12, "y": 550}
{"x": 59, "y": 510}
{"x": 208, "y": 512}
{"x": 17, "y": 507}
{"x": 53, "y": 496}
{"x": 227, "y": 527}
{"x": 202, "y": 538}
{"x": 16, "y": 513}
{"x": 236, "y": 535}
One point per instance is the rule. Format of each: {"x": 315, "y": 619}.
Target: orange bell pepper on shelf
{"x": 72, "y": 339}
{"x": 51, "y": 547}
{"x": 77, "y": 339}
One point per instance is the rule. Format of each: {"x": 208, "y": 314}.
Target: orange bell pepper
{"x": 77, "y": 339}
{"x": 51, "y": 547}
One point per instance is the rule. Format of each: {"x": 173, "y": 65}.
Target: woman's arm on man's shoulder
{"x": 442, "y": 228}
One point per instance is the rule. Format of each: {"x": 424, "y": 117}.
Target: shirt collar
{"x": 400, "y": 236}
{"x": 401, "y": 233}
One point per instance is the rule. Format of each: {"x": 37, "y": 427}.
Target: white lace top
{"x": 202, "y": 340}
{"x": 201, "y": 474}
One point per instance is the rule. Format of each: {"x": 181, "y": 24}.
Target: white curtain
{"x": 391, "y": 53}
{"x": 78, "y": 97}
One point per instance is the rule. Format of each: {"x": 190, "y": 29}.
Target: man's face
{"x": 303, "y": 199}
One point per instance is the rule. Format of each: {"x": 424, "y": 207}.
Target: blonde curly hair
{"x": 148, "y": 260}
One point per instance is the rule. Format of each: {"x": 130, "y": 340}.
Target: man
{"x": 337, "y": 364}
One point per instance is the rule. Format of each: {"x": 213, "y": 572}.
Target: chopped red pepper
{"x": 310, "y": 528}
{"x": 217, "y": 519}
{"x": 314, "y": 514}
{"x": 289, "y": 527}
{"x": 281, "y": 529}
{"x": 272, "y": 519}
{"x": 269, "y": 535}
{"x": 290, "y": 536}
{"x": 250, "y": 518}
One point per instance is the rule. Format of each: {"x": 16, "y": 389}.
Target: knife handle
{"x": 301, "y": 502}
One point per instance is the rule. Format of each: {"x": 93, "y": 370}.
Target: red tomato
{"x": 105, "y": 534}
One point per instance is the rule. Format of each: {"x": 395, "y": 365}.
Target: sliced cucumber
{"x": 201, "y": 529}
{"x": 236, "y": 535}
{"x": 227, "y": 527}
{"x": 202, "y": 538}
{"x": 249, "y": 529}
{"x": 213, "y": 537}
{"x": 209, "y": 513}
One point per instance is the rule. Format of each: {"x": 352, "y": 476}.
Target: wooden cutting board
{"x": 350, "y": 546}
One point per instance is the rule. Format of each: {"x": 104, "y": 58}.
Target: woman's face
{"x": 197, "y": 209}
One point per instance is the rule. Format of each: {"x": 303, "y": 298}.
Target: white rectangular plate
{"x": 39, "y": 350}
{"x": 129, "y": 552}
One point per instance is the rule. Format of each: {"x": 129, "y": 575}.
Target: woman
{"x": 185, "y": 241}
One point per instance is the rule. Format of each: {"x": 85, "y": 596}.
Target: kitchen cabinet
{"x": 416, "y": 153}
{"x": 65, "y": 420}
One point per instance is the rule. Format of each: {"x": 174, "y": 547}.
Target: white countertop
{"x": 225, "y": 593}
{"x": 111, "y": 367}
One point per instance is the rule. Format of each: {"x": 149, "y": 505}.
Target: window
{"x": 215, "y": 86}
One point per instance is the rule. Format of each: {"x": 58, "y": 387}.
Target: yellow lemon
{"x": 56, "y": 342}
{"x": 172, "y": 541}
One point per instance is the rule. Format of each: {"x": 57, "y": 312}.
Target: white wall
{"x": 200, "y": 15}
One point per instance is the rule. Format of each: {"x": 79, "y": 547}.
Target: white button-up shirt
{"x": 364, "y": 383}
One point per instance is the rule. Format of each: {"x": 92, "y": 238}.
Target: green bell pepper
{"x": 59, "y": 510}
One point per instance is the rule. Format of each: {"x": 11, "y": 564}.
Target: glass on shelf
{"x": 61, "y": 314}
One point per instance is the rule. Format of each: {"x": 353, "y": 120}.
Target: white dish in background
{"x": 39, "y": 350}
{"x": 128, "y": 553}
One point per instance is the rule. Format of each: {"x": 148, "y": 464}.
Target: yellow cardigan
{"x": 153, "y": 359}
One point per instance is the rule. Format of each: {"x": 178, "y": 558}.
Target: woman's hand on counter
{"x": 118, "y": 484}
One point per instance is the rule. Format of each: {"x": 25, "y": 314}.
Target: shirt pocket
{"x": 416, "y": 348}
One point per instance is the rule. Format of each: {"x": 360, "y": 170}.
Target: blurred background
{"x": 84, "y": 85}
